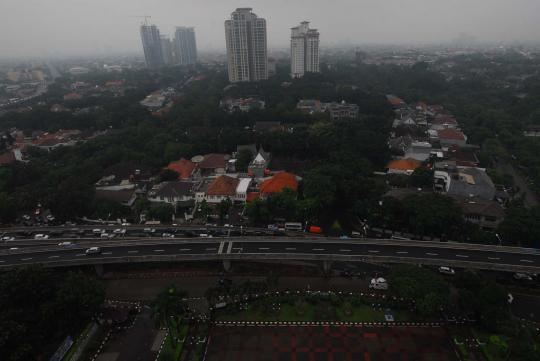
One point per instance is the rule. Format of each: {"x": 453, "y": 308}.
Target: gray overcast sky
{"x": 57, "y": 27}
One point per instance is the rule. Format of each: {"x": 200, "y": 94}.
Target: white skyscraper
{"x": 245, "y": 35}
{"x": 185, "y": 46}
{"x": 167, "y": 50}
{"x": 151, "y": 40}
{"x": 304, "y": 50}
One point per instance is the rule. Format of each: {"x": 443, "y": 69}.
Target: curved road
{"x": 156, "y": 250}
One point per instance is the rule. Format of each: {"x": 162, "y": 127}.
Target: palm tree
{"x": 169, "y": 309}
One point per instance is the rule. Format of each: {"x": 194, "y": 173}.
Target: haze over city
{"x": 78, "y": 27}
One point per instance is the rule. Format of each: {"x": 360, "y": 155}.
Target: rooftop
{"x": 223, "y": 186}
{"x": 279, "y": 182}
{"x": 404, "y": 164}
{"x": 183, "y": 167}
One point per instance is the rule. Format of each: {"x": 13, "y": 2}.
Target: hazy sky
{"x": 56, "y": 27}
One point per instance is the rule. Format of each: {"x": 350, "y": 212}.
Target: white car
{"x": 14, "y": 248}
{"x": 97, "y": 231}
{"x": 149, "y": 230}
{"x": 167, "y": 235}
{"x": 522, "y": 277}
{"x": 67, "y": 243}
{"x": 205, "y": 235}
{"x": 378, "y": 284}
{"x": 447, "y": 270}
{"x": 41, "y": 236}
{"x": 7, "y": 239}
{"x": 93, "y": 250}
{"x": 119, "y": 231}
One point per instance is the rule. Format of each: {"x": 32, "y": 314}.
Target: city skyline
{"x": 75, "y": 30}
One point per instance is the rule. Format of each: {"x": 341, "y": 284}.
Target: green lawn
{"x": 170, "y": 353}
{"x": 307, "y": 312}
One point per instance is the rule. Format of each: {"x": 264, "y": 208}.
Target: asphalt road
{"x": 457, "y": 255}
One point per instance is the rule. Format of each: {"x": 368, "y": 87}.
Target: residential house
{"x": 221, "y": 188}
{"x": 465, "y": 182}
{"x": 339, "y": 111}
{"x": 174, "y": 192}
{"x": 183, "y": 167}
{"x": 277, "y": 183}
{"x": 404, "y": 166}
{"x": 11, "y": 156}
{"x": 72, "y": 96}
{"x": 123, "y": 194}
{"x": 451, "y": 136}
{"x": 212, "y": 164}
{"x": 241, "y": 104}
{"x": 485, "y": 213}
{"x": 242, "y": 190}
{"x": 443, "y": 122}
{"x": 420, "y": 151}
{"x": 532, "y": 131}
{"x": 258, "y": 167}
{"x": 395, "y": 101}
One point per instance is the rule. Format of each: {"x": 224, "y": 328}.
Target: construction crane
{"x": 146, "y": 17}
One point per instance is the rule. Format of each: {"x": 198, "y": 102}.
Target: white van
{"x": 41, "y": 236}
{"x": 447, "y": 271}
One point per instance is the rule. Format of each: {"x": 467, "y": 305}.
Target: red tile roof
{"x": 183, "y": 167}
{"x": 279, "y": 182}
{"x": 214, "y": 160}
{"x": 223, "y": 186}
{"x": 404, "y": 164}
{"x": 7, "y": 158}
{"x": 450, "y": 133}
{"x": 251, "y": 196}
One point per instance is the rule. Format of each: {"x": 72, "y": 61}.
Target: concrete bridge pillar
{"x": 327, "y": 266}
{"x": 99, "y": 269}
{"x": 227, "y": 264}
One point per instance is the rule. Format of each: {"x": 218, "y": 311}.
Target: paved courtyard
{"x": 335, "y": 343}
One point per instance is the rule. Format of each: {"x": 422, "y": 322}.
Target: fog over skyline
{"x": 85, "y": 27}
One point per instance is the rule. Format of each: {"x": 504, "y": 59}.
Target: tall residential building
{"x": 304, "y": 50}
{"x": 167, "y": 50}
{"x": 185, "y": 46}
{"x": 245, "y": 35}
{"x": 153, "y": 54}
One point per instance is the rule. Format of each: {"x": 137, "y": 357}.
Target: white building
{"x": 185, "y": 46}
{"x": 245, "y": 36}
{"x": 304, "y": 50}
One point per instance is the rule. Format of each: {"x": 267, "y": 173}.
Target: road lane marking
{"x": 53, "y": 257}
{"x": 211, "y": 249}
{"x": 185, "y": 249}
{"x": 290, "y": 249}
{"x": 462, "y": 256}
{"x": 80, "y": 254}
{"x": 402, "y": 252}
{"x": 263, "y": 248}
{"x": 159, "y": 250}
{"x": 494, "y": 258}
{"x": 106, "y": 253}
{"x": 134, "y": 251}
{"x": 229, "y": 249}
{"x": 318, "y": 249}
{"x": 26, "y": 259}
{"x": 2, "y": 261}
{"x": 432, "y": 254}
{"x": 221, "y": 245}
{"x": 526, "y": 260}
{"x": 345, "y": 250}
{"x": 371, "y": 251}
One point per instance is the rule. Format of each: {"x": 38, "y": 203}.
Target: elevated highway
{"x": 156, "y": 249}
